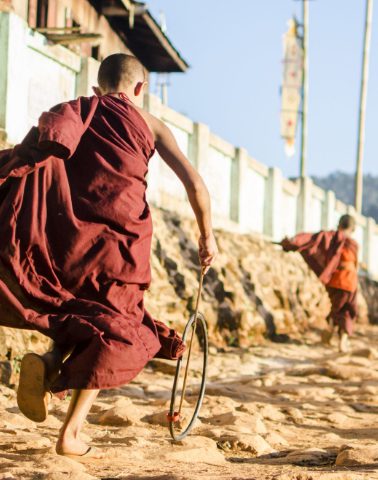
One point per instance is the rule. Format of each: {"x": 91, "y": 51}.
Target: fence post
{"x": 87, "y": 77}
{"x": 153, "y": 105}
{"x": 304, "y": 205}
{"x": 328, "y": 220}
{"x": 273, "y": 204}
{"x": 200, "y": 144}
{"x": 239, "y": 208}
{"x": 369, "y": 244}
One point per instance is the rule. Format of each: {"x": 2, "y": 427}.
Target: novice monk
{"x": 75, "y": 231}
{"x": 333, "y": 256}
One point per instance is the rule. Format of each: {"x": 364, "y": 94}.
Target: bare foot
{"x": 344, "y": 344}
{"x": 70, "y": 445}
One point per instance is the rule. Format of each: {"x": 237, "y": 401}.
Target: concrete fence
{"x": 247, "y": 196}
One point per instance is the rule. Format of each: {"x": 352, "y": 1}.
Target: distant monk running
{"x": 333, "y": 256}
{"x": 75, "y": 231}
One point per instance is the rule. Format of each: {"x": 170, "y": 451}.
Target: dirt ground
{"x": 295, "y": 411}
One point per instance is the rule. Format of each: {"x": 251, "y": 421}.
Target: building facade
{"x": 50, "y": 52}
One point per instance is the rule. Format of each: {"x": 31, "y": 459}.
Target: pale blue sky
{"x": 235, "y": 53}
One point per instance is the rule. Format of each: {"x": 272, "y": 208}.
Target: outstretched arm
{"x": 195, "y": 187}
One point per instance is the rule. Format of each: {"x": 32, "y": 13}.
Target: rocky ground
{"x": 273, "y": 410}
{"x": 295, "y": 411}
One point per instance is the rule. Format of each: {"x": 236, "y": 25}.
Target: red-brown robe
{"x": 75, "y": 231}
{"x": 328, "y": 255}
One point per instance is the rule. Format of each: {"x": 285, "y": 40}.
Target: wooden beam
{"x": 59, "y": 29}
{"x": 114, "y": 11}
{"x": 163, "y": 40}
{"x": 70, "y": 38}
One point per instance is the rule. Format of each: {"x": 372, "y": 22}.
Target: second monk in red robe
{"x": 333, "y": 256}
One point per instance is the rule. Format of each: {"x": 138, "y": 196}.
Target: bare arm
{"x": 198, "y": 194}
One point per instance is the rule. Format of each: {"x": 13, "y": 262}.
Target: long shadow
{"x": 326, "y": 458}
{"x": 324, "y": 464}
{"x": 349, "y": 433}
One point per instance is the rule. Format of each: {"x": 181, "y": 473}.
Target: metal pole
{"x": 305, "y": 23}
{"x": 361, "y": 119}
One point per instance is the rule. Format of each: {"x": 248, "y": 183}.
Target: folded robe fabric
{"x": 321, "y": 251}
{"x": 75, "y": 232}
{"x": 343, "y": 308}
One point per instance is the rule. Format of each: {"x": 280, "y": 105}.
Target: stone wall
{"x": 255, "y": 291}
{"x": 369, "y": 289}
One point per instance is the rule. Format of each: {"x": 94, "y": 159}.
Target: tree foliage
{"x": 343, "y": 186}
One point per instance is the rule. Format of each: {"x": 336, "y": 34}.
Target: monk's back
{"x": 82, "y": 222}
{"x": 108, "y": 169}
{"x": 107, "y": 184}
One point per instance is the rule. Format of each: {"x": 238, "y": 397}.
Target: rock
{"x": 332, "y": 438}
{"x": 99, "y": 407}
{"x": 349, "y": 456}
{"x": 195, "y": 449}
{"x": 253, "y": 422}
{"x": 72, "y": 476}
{"x": 15, "y": 343}
{"x": 338, "y": 419}
{"x": 250, "y": 408}
{"x": 350, "y": 372}
{"x": 275, "y": 439}
{"x": 294, "y": 414}
{"x": 120, "y": 416}
{"x": 213, "y": 350}
{"x": 18, "y": 421}
{"x": 164, "y": 366}
{"x": 56, "y": 465}
{"x": 158, "y": 418}
{"x": 254, "y": 444}
{"x": 133, "y": 392}
{"x": 270, "y": 412}
{"x": 369, "y": 389}
{"x": 5, "y": 372}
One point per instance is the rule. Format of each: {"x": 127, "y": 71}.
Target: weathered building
{"x": 50, "y": 51}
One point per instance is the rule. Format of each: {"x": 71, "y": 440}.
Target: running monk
{"x": 76, "y": 233}
{"x": 333, "y": 256}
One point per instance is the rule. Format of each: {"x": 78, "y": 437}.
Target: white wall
{"x": 217, "y": 175}
{"x": 39, "y": 76}
{"x": 253, "y": 200}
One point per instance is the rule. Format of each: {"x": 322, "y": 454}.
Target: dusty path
{"x": 282, "y": 412}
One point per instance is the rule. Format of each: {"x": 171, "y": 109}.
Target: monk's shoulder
{"x": 151, "y": 121}
{"x": 80, "y": 106}
{"x": 352, "y": 243}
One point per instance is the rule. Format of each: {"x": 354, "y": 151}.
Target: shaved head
{"x": 120, "y": 71}
{"x": 346, "y": 222}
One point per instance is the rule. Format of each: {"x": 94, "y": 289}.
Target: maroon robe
{"x": 322, "y": 252}
{"x": 75, "y": 231}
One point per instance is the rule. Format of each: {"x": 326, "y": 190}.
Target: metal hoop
{"x": 174, "y": 416}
